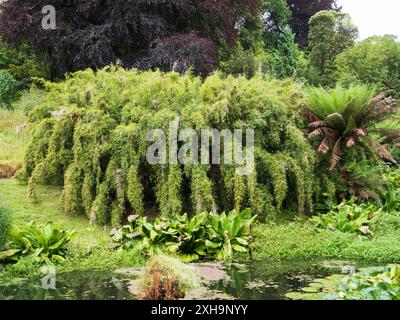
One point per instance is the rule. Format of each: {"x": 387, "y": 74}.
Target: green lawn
{"x": 13, "y": 142}
{"x": 48, "y": 208}
{"x": 14, "y": 138}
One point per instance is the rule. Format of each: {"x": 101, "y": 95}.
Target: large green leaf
{"x": 212, "y": 245}
{"x": 7, "y": 254}
{"x": 239, "y": 248}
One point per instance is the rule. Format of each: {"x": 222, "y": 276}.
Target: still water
{"x": 254, "y": 280}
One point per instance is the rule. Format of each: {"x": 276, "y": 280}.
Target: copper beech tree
{"x": 170, "y": 35}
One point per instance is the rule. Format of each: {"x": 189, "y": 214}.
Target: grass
{"x": 14, "y": 134}
{"x": 300, "y": 239}
{"x": 13, "y": 143}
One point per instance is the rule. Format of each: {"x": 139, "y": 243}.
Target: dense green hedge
{"x": 90, "y": 135}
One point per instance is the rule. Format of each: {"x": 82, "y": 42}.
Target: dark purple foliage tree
{"x": 166, "y": 34}
{"x": 302, "y": 11}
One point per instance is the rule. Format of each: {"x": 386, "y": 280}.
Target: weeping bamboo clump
{"x": 90, "y": 136}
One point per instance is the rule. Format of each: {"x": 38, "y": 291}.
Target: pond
{"x": 254, "y": 280}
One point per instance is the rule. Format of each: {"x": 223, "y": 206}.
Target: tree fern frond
{"x": 336, "y": 154}
{"x": 324, "y": 146}
{"x": 318, "y": 124}
{"x": 310, "y": 115}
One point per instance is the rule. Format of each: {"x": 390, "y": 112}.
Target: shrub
{"x": 5, "y": 224}
{"x": 166, "y": 278}
{"x": 245, "y": 62}
{"x": 348, "y": 217}
{"x": 90, "y": 135}
{"x": 390, "y": 194}
{"x": 283, "y": 61}
{"x": 17, "y": 68}
{"x": 203, "y": 236}
{"x": 43, "y": 244}
{"x": 8, "y": 88}
{"x": 228, "y": 234}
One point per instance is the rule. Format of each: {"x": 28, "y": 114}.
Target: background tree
{"x": 302, "y": 11}
{"x": 22, "y": 64}
{"x": 276, "y": 12}
{"x": 287, "y": 59}
{"x": 375, "y": 60}
{"x": 265, "y": 44}
{"x": 331, "y": 33}
{"x": 133, "y": 33}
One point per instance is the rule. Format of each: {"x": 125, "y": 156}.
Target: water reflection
{"x": 79, "y": 285}
{"x": 254, "y": 280}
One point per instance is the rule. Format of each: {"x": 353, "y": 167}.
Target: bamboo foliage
{"x": 90, "y": 137}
